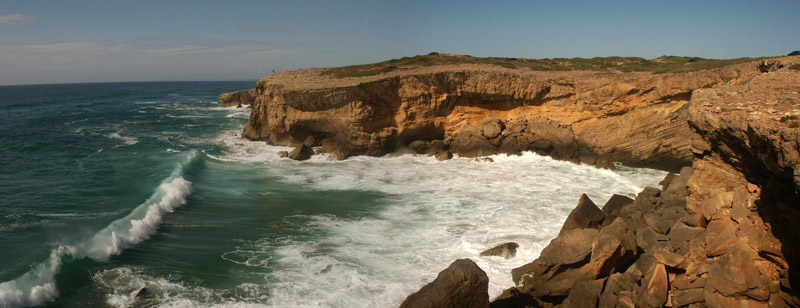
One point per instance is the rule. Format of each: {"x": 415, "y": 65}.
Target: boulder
{"x": 572, "y": 247}
{"x": 585, "y": 293}
{"x": 717, "y": 201}
{"x": 720, "y": 235}
{"x": 615, "y": 203}
{"x": 418, "y": 147}
{"x": 655, "y": 291}
{"x": 443, "y": 155}
{"x": 585, "y": 215}
{"x": 469, "y": 142}
{"x": 462, "y": 284}
{"x": 301, "y": 152}
{"x": 513, "y": 298}
{"x": 506, "y": 250}
{"x": 492, "y": 128}
{"x": 616, "y": 285}
{"x": 283, "y": 154}
{"x": 794, "y": 53}
{"x": 613, "y": 250}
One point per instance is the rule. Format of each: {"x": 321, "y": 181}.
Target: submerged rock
{"x": 506, "y": 250}
{"x": 301, "y": 152}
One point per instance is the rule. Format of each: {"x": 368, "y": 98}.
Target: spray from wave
{"x": 38, "y": 285}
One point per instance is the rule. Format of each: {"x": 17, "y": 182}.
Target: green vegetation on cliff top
{"x": 664, "y": 64}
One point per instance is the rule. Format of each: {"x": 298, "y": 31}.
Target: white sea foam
{"x": 125, "y": 140}
{"x": 38, "y": 286}
{"x": 436, "y": 212}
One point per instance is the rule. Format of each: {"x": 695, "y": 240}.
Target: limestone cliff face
{"x": 635, "y": 118}
{"x": 238, "y": 98}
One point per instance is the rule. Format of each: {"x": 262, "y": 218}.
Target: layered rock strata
{"x": 636, "y": 118}
{"x": 722, "y": 233}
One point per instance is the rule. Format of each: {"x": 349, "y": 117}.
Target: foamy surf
{"x": 38, "y": 286}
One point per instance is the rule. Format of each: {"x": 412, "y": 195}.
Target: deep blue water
{"x": 108, "y": 188}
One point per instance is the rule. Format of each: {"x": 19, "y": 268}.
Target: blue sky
{"x": 102, "y": 41}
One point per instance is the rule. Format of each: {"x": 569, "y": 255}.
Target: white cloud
{"x": 16, "y": 19}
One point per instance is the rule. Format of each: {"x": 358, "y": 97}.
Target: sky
{"x": 110, "y": 40}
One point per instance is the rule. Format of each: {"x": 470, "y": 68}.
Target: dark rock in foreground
{"x": 462, "y": 284}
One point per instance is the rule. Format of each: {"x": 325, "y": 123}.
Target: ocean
{"x": 108, "y": 188}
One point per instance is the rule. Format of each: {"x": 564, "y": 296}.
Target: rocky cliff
{"x": 722, "y": 232}
{"x": 238, "y": 98}
{"x": 636, "y": 118}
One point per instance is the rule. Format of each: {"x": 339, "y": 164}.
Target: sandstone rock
{"x": 719, "y": 235}
{"x": 585, "y": 215}
{"x": 669, "y": 258}
{"x": 513, "y": 298}
{"x": 468, "y": 142}
{"x": 613, "y": 249}
{"x": 462, "y": 284}
{"x": 666, "y": 181}
{"x": 492, "y": 128}
{"x": 655, "y": 292}
{"x": 657, "y": 223}
{"x": 567, "y": 252}
{"x": 283, "y": 154}
{"x": 585, "y": 293}
{"x": 648, "y": 199}
{"x": 716, "y": 202}
{"x": 615, "y": 203}
{"x": 616, "y": 285}
{"x": 744, "y": 280}
{"x": 301, "y": 152}
{"x": 505, "y": 250}
{"x": 683, "y": 298}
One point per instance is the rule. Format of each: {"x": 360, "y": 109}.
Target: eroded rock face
{"x": 638, "y": 119}
{"x": 462, "y": 284}
{"x": 721, "y": 234}
{"x": 238, "y": 98}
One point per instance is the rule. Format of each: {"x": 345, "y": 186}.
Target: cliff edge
{"x": 637, "y": 118}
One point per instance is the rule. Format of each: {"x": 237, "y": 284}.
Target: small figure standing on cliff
{"x": 273, "y": 71}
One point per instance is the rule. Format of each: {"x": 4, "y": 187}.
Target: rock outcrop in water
{"x": 238, "y": 98}
{"x": 721, "y": 233}
{"x": 636, "y": 118}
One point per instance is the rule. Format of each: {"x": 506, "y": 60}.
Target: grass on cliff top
{"x": 664, "y": 64}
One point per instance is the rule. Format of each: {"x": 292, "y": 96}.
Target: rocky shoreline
{"x": 722, "y": 232}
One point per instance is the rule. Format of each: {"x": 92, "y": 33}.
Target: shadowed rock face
{"x": 462, "y": 284}
{"x": 638, "y": 119}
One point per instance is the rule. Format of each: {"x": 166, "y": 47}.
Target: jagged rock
{"x": 469, "y": 142}
{"x": 604, "y": 164}
{"x": 657, "y": 223}
{"x": 680, "y": 234}
{"x": 283, "y": 154}
{"x": 743, "y": 280}
{"x": 462, "y": 284}
{"x": 716, "y": 202}
{"x": 719, "y": 235}
{"x": 794, "y": 53}
{"x": 767, "y": 66}
{"x": 513, "y": 298}
{"x": 492, "y": 128}
{"x": 666, "y": 181}
{"x": 615, "y": 203}
{"x": 683, "y": 298}
{"x": 505, "y": 250}
{"x": 574, "y": 246}
{"x": 585, "y": 293}
{"x": 648, "y": 199}
{"x": 585, "y": 215}
{"x": 669, "y": 258}
{"x": 655, "y": 291}
{"x": 301, "y": 152}
{"x": 613, "y": 249}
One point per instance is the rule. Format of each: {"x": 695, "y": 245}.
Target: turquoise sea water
{"x": 108, "y": 188}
